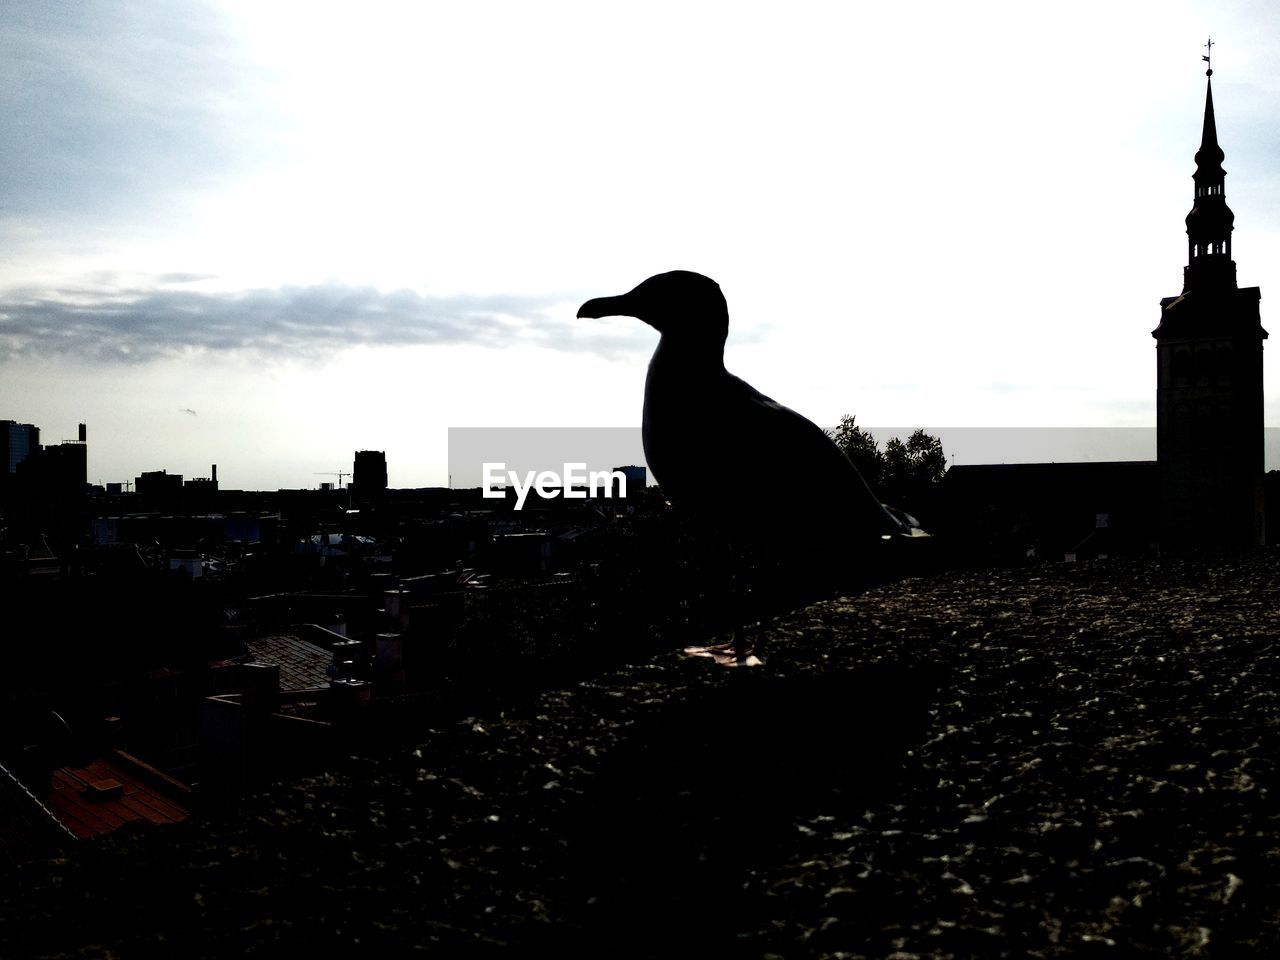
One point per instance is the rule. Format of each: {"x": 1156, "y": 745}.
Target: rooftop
{"x": 302, "y": 663}
{"x": 113, "y": 791}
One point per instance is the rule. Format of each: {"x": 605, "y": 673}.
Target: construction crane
{"x": 339, "y": 474}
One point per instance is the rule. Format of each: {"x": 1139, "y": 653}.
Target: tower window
{"x": 1223, "y": 362}
{"x": 1181, "y": 368}
{"x": 1182, "y": 426}
{"x": 1203, "y": 363}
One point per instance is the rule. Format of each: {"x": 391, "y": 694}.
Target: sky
{"x": 265, "y": 235}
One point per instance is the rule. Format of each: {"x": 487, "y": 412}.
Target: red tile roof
{"x": 87, "y": 801}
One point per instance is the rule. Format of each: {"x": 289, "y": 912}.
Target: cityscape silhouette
{"x": 338, "y": 692}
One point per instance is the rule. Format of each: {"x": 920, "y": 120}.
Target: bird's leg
{"x": 738, "y": 651}
{"x": 713, "y": 563}
{"x": 741, "y": 590}
{"x": 741, "y": 653}
{"x": 727, "y": 650}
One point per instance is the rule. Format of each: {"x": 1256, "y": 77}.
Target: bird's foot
{"x": 726, "y": 655}
{"x": 711, "y": 652}
{"x": 744, "y": 659}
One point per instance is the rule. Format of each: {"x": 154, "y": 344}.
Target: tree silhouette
{"x": 919, "y": 464}
{"x": 860, "y": 447}
{"x": 906, "y": 474}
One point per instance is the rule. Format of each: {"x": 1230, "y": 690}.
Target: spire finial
{"x": 1208, "y": 50}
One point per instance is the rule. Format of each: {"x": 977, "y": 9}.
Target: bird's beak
{"x": 623, "y": 306}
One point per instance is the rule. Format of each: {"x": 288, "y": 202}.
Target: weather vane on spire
{"x": 1208, "y": 50}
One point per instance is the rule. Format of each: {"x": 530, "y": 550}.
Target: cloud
{"x": 187, "y": 410}
{"x": 177, "y": 278}
{"x": 304, "y": 321}
{"x": 113, "y": 107}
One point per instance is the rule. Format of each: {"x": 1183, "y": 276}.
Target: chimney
{"x": 388, "y": 663}
{"x": 213, "y": 473}
{"x": 83, "y": 432}
{"x": 260, "y": 686}
{"x": 113, "y": 733}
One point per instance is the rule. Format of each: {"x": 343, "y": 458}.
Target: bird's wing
{"x": 801, "y": 464}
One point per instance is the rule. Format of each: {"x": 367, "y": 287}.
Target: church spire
{"x": 1210, "y": 222}
{"x": 1209, "y": 439}
{"x": 1210, "y": 156}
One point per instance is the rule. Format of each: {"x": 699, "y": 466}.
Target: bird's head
{"x": 680, "y": 304}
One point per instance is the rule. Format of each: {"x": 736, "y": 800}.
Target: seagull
{"x": 768, "y": 479}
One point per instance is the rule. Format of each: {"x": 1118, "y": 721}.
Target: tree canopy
{"x": 906, "y": 474}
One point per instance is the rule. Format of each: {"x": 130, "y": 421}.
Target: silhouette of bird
{"x": 770, "y": 480}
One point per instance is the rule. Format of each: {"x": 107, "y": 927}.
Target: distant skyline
{"x": 267, "y": 235}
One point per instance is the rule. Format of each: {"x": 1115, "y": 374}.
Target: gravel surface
{"x": 1068, "y": 760}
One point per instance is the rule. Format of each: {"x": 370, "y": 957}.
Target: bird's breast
{"x": 686, "y": 427}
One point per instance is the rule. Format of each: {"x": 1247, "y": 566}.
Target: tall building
{"x": 369, "y": 475}
{"x": 1209, "y": 440}
{"x": 54, "y": 474}
{"x": 64, "y": 470}
{"x": 17, "y": 442}
{"x": 159, "y": 489}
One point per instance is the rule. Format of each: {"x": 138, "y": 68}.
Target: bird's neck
{"x": 682, "y": 385}
{"x": 695, "y": 357}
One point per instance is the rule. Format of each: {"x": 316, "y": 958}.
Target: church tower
{"x": 1209, "y": 442}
